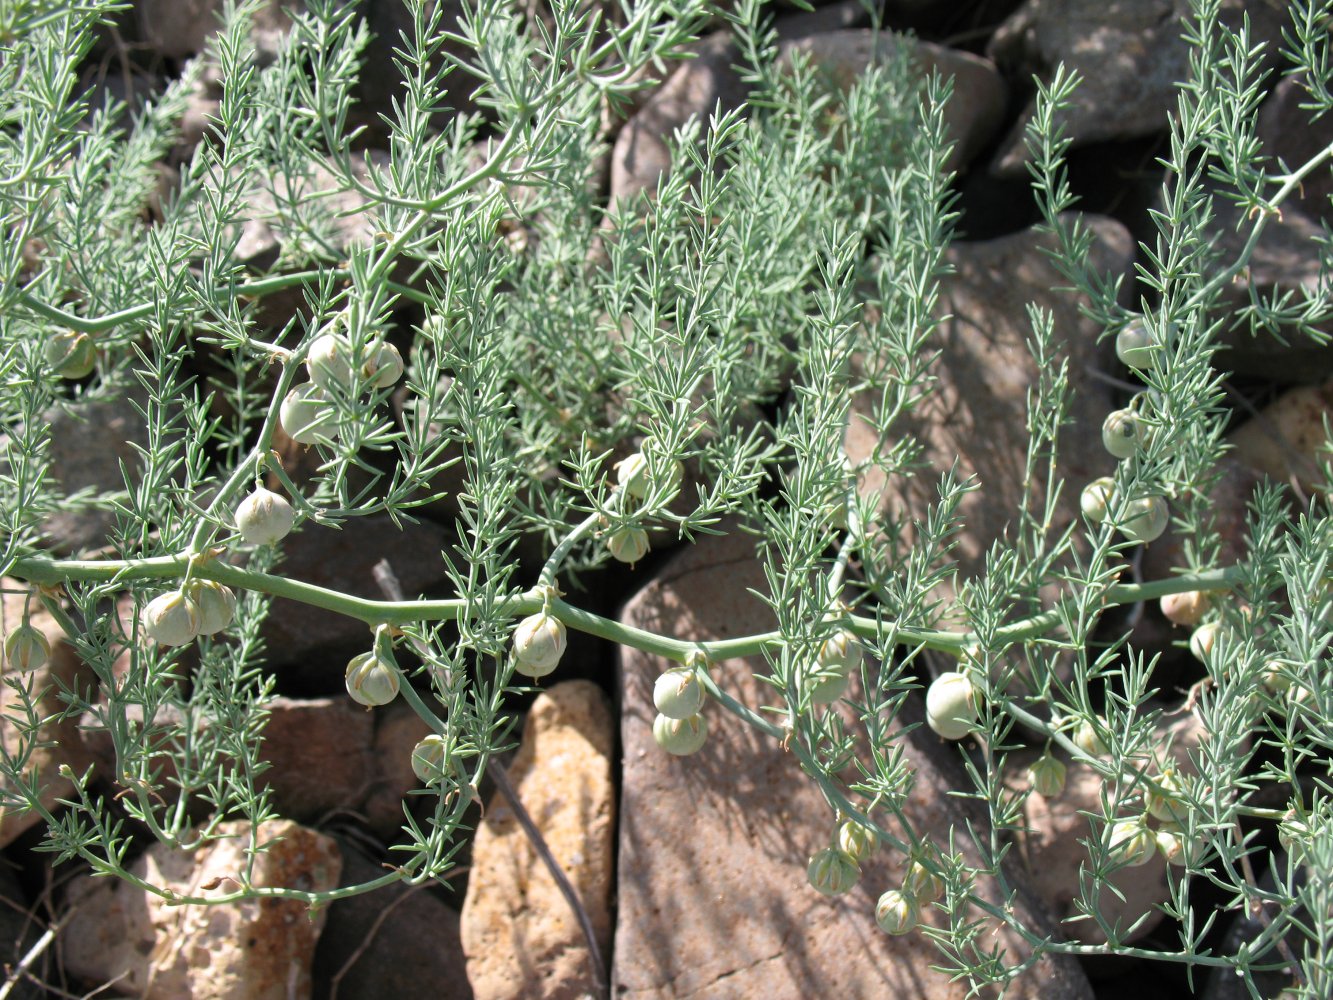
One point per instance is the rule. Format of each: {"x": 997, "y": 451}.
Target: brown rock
{"x": 249, "y": 950}
{"x": 976, "y": 416}
{"x": 398, "y": 729}
{"x": 1285, "y": 440}
{"x": 322, "y": 756}
{"x": 713, "y": 899}
{"x": 59, "y": 739}
{"x": 399, "y": 942}
{"x": 521, "y": 938}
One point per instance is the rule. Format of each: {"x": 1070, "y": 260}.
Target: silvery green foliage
{"x": 798, "y": 242}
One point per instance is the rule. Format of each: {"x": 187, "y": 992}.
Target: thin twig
{"x": 388, "y": 582}
{"x": 35, "y": 952}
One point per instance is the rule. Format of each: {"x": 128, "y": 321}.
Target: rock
{"x": 90, "y": 439}
{"x": 713, "y": 899}
{"x": 1050, "y": 847}
{"x": 976, "y": 417}
{"x": 59, "y": 739}
{"x": 974, "y": 112}
{"x": 322, "y": 755}
{"x": 521, "y": 938}
{"x": 1285, "y": 440}
{"x": 314, "y": 644}
{"x": 641, "y": 153}
{"x": 250, "y": 950}
{"x": 1130, "y": 55}
{"x": 1228, "y": 504}
{"x": 400, "y": 942}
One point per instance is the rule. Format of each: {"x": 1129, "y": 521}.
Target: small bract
{"x": 1095, "y": 498}
{"x": 428, "y": 759}
{"x": 951, "y": 706}
{"x": 680, "y": 737}
{"x": 264, "y": 517}
{"x": 172, "y": 618}
{"x": 26, "y": 648}
{"x": 371, "y": 681}
{"x": 897, "y": 912}
{"x": 1123, "y": 433}
{"x": 539, "y": 642}
{"x": 832, "y": 871}
{"x": 1187, "y": 608}
{"x": 308, "y": 415}
{"x": 678, "y": 694}
{"x": 1145, "y": 519}
{"x": 857, "y": 841}
{"x": 217, "y": 606}
{"x": 1046, "y": 775}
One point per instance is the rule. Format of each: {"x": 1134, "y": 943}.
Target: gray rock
{"x": 713, "y": 898}
{"x": 400, "y": 942}
{"x": 521, "y": 937}
{"x": 1129, "y": 53}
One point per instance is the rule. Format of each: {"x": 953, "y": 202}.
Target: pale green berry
{"x": 1135, "y": 345}
{"x": 678, "y": 694}
{"x": 634, "y": 474}
{"x": 217, "y": 606}
{"x": 26, "y": 648}
{"x": 857, "y": 840}
{"x": 71, "y": 355}
{"x": 680, "y": 737}
{"x": 428, "y": 758}
{"x": 539, "y": 642}
{"x": 1046, "y": 775}
{"x": 1087, "y": 737}
{"x": 922, "y": 884}
{"x": 385, "y": 367}
{"x": 830, "y": 674}
{"x": 1276, "y": 677}
{"x": 1095, "y": 498}
{"x": 842, "y": 649}
{"x": 371, "y": 681}
{"x": 1145, "y": 519}
{"x": 897, "y": 912}
{"x": 172, "y": 618}
{"x": 628, "y": 544}
{"x": 1132, "y": 842}
{"x": 1204, "y": 639}
{"x": 1170, "y": 839}
{"x": 1187, "y": 608}
{"x": 832, "y": 871}
{"x": 1167, "y": 801}
{"x": 308, "y": 415}
{"x": 328, "y": 362}
{"x": 1292, "y": 833}
{"x": 1123, "y": 433}
{"x": 264, "y": 517}
{"x": 951, "y": 705}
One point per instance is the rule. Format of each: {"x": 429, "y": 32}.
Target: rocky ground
{"x": 691, "y": 870}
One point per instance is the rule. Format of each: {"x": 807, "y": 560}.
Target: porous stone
{"x": 248, "y": 950}
{"x": 975, "y": 419}
{"x": 58, "y": 739}
{"x": 1286, "y": 440}
{"x": 399, "y": 942}
{"x": 712, "y": 890}
{"x": 521, "y": 938}
{"x": 1129, "y": 54}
